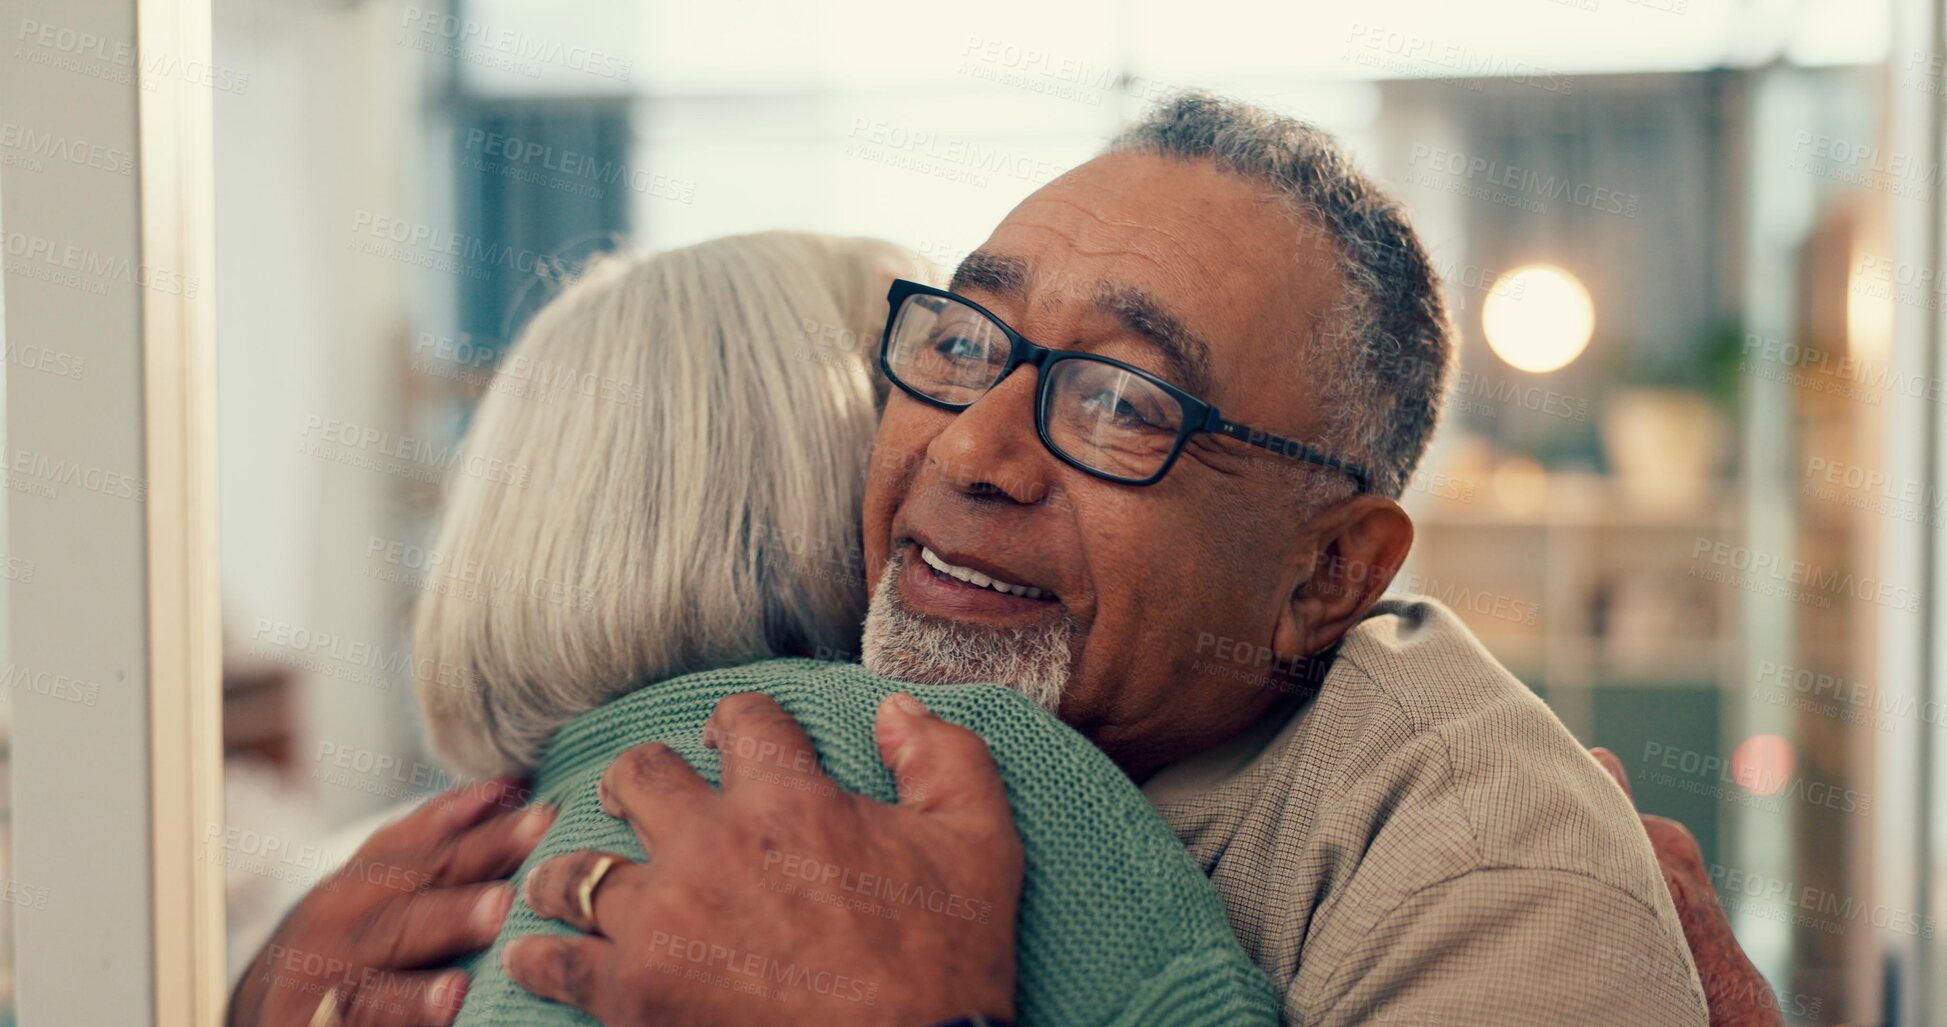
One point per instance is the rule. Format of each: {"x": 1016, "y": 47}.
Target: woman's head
{"x": 691, "y": 490}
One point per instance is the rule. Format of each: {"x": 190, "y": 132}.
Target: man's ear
{"x": 1357, "y": 549}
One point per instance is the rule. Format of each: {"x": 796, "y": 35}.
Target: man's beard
{"x": 906, "y": 645}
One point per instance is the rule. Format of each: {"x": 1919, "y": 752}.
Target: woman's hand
{"x": 784, "y": 898}
{"x": 420, "y": 892}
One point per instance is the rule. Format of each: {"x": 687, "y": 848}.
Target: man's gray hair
{"x": 1382, "y": 358}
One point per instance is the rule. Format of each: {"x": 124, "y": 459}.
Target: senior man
{"x": 1399, "y": 830}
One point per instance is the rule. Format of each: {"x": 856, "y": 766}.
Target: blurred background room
{"x": 1673, "y": 491}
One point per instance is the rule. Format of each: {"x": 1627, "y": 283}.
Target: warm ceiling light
{"x": 1538, "y": 318}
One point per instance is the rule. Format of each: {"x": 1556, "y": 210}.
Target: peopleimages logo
{"x": 481, "y": 364}
{"x": 42, "y": 472}
{"x": 1522, "y": 181}
{"x": 415, "y": 242}
{"x": 117, "y": 60}
{"x": 516, "y": 45}
{"x": 65, "y": 150}
{"x": 44, "y": 360}
{"x": 1752, "y": 783}
{"x": 1866, "y": 165}
{"x": 386, "y": 774}
{"x": 1873, "y": 490}
{"x": 470, "y": 578}
{"x": 419, "y": 459}
{"x": 51, "y": 685}
{"x": 878, "y": 888}
{"x": 1056, "y": 75}
{"x": 1900, "y": 281}
{"x": 1744, "y": 560}
{"x": 754, "y": 971}
{"x": 1832, "y": 371}
{"x": 325, "y": 645}
{"x": 79, "y": 267}
{"x": 1854, "y": 702}
{"x": 1831, "y": 910}
{"x": 574, "y": 167}
{"x": 1409, "y": 52}
{"x": 947, "y": 157}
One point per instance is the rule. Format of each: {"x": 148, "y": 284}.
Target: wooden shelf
{"x": 1582, "y": 557}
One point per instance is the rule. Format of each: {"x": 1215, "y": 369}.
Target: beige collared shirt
{"x": 1424, "y": 843}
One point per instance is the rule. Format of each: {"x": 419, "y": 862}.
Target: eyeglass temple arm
{"x": 1291, "y": 448}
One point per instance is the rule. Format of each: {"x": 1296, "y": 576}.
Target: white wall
{"x": 310, "y": 330}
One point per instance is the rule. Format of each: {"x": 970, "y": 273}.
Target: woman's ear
{"x": 1357, "y": 548}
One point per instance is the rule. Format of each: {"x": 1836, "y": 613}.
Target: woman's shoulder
{"x": 833, "y": 700}
{"x": 1115, "y": 915}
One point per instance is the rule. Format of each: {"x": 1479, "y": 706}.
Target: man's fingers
{"x": 655, "y": 789}
{"x": 428, "y": 998}
{"x": 1676, "y": 847}
{"x": 1733, "y": 988}
{"x": 565, "y": 888}
{"x": 571, "y": 971}
{"x": 448, "y": 813}
{"x": 941, "y": 767}
{"x": 761, "y": 746}
{"x": 1614, "y": 766}
{"x": 430, "y": 926}
{"x": 491, "y": 850}
{"x": 1682, "y": 863}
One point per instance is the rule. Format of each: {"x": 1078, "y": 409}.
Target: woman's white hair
{"x": 688, "y": 434}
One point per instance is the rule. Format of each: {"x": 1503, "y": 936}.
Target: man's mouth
{"x": 966, "y": 588}
{"x": 973, "y": 577}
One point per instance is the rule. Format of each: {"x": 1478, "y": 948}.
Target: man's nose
{"x": 991, "y": 449}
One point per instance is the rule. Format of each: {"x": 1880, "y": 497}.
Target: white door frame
{"x": 1911, "y": 832}
{"x": 114, "y": 671}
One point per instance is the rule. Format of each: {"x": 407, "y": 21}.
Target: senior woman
{"x": 698, "y": 538}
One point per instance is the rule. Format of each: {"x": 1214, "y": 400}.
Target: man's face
{"x": 1158, "y": 601}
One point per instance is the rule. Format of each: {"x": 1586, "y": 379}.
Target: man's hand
{"x": 784, "y": 898}
{"x": 420, "y": 892}
{"x": 1736, "y": 992}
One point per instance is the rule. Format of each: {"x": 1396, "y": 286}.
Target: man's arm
{"x": 698, "y": 935}
{"x": 366, "y": 945}
{"x": 1511, "y": 946}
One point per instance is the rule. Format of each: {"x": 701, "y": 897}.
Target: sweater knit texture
{"x": 1117, "y": 924}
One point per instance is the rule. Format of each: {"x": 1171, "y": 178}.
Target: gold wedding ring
{"x": 585, "y": 892}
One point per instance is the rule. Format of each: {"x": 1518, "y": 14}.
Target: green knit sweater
{"x": 1117, "y": 924}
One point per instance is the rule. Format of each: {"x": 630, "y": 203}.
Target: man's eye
{"x": 1126, "y": 414}
{"x": 959, "y": 347}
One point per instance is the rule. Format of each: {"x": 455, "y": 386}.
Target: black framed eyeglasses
{"x": 1096, "y": 414}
